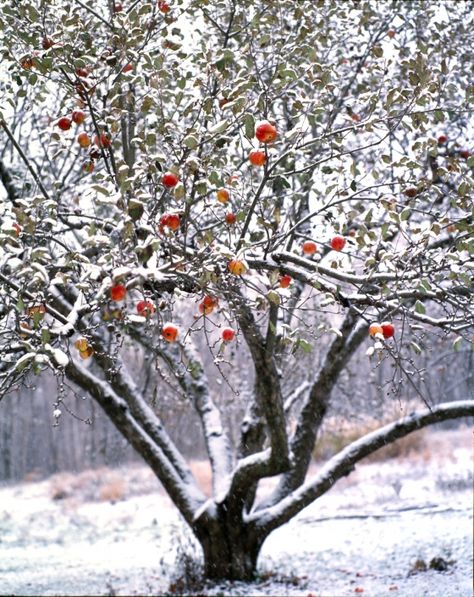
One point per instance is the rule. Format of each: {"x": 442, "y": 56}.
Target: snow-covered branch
{"x": 183, "y": 492}
{"x": 343, "y": 462}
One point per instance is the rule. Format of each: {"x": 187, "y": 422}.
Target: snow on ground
{"x": 363, "y": 537}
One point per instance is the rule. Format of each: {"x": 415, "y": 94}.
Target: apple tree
{"x": 183, "y": 176}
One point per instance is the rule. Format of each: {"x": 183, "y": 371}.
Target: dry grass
{"x": 101, "y": 484}
{"x": 201, "y": 470}
{"x": 336, "y": 436}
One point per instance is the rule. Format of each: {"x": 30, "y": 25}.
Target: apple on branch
{"x": 170, "y": 332}
{"x": 266, "y": 132}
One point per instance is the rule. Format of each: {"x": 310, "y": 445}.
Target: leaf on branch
{"x": 249, "y": 126}
{"x": 420, "y": 308}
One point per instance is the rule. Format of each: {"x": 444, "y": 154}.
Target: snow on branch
{"x": 343, "y": 463}
{"x": 186, "y": 496}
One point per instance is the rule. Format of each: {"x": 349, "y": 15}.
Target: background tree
{"x": 184, "y": 177}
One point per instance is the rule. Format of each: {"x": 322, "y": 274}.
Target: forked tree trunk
{"x": 230, "y": 550}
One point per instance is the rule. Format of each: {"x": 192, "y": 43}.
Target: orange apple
{"x": 309, "y": 247}
{"x": 223, "y": 195}
{"x": 118, "y": 292}
{"x": 285, "y": 280}
{"x": 81, "y": 344}
{"x": 83, "y": 139}
{"x": 88, "y": 352}
{"x": 257, "y": 157}
{"x": 236, "y": 267}
{"x": 375, "y": 329}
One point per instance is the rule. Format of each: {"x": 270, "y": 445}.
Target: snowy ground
{"x": 364, "y": 537}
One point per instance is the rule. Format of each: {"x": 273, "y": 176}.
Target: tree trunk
{"x": 230, "y": 550}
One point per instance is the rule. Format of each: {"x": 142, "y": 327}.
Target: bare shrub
{"x": 113, "y": 489}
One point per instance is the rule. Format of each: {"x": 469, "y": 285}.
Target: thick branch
{"x": 185, "y": 496}
{"x": 315, "y": 406}
{"x": 340, "y": 465}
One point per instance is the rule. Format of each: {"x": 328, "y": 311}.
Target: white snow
{"x": 362, "y": 537}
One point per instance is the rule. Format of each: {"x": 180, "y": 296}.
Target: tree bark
{"x": 230, "y": 548}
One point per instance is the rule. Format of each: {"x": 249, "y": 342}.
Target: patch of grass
{"x": 335, "y": 437}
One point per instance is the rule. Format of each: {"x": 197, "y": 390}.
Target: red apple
{"x": 64, "y": 123}
{"x": 16, "y": 228}
{"x": 442, "y": 139}
{"x": 82, "y": 72}
{"x": 465, "y": 153}
{"x": 230, "y": 218}
{"x": 285, "y": 281}
{"x": 47, "y": 43}
{"x": 338, "y": 242}
{"x": 170, "y": 332}
{"x": 163, "y": 6}
{"x": 266, "y": 132}
{"x": 227, "y": 334}
{"x": 388, "y": 329}
{"x": 103, "y": 140}
{"x": 257, "y": 157}
{"x": 127, "y": 68}
{"x": 78, "y": 116}
{"x": 309, "y": 247}
{"x": 118, "y": 292}
{"x": 118, "y": 7}
{"x": 169, "y": 179}
{"x": 411, "y": 192}
{"x": 88, "y": 166}
{"x": 171, "y": 221}
{"x": 208, "y": 304}
{"x": 145, "y": 308}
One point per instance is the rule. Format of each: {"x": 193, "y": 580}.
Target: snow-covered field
{"x": 364, "y": 537}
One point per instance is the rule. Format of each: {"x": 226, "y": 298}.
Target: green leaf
{"x": 273, "y": 297}
{"x": 100, "y": 189}
{"x": 405, "y": 214}
{"x": 45, "y": 336}
{"x": 420, "y": 308}
{"x": 249, "y": 125}
{"x": 304, "y": 345}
